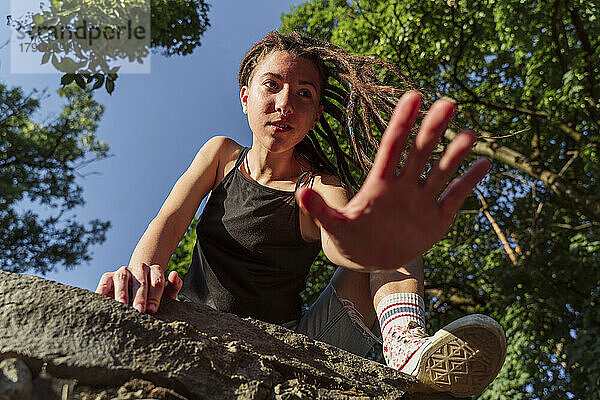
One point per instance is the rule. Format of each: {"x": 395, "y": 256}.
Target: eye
{"x": 305, "y": 93}
{"x": 271, "y": 84}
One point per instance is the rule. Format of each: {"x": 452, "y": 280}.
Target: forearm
{"x": 156, "y": 245}
{"x": 334, "y": 255}
{"x": 336, "y": 258}
{"x": 166, "y": 230}
{"x": 412, "y": 269}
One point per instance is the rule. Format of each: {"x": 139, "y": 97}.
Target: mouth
{"x": 280, "y": 126}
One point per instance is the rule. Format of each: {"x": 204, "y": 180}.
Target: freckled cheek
{"x": 258, "y": 100}
{"x": 258, "y": 110}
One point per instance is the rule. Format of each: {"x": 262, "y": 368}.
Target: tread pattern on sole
{"x": 457, "y": 363}
{"x": 464, "y": 365}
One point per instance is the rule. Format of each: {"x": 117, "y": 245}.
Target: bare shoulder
{"x": 221, "y": 148}
{"x": 223, "y": 151}
{"x": 331, "y": 189}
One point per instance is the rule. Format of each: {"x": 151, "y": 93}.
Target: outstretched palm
{"x": 395, "y": 218}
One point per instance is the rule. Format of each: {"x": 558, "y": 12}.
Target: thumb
{"x": 313, "y": 204}
{"x": 174, "y": 284}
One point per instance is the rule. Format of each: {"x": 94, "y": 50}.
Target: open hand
{"x": 394, "y": 219}
{"x": 147, "y": 285}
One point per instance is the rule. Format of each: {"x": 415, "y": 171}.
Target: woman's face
{"x": 282, "y": 100}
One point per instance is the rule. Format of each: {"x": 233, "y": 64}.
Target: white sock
{"x": 402, "y": 320}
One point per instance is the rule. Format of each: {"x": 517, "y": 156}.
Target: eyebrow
{"x": 277, "y": 76}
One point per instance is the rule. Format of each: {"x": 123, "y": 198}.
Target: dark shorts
{"x": 333, "y": 320}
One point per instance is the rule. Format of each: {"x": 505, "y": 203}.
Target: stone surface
{"x": 92, "y": 347}
{"x": 15, "y": 380}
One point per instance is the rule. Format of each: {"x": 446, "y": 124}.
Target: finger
{"x": 105, "y": 286}
{"x": 459, "y": 189}
{"x": 447, "y": 165}
{"x": 395, "y": 136}
{"x": 121, "y": 282}
{"x": 314, "y": 205}
{"x": 140, "y": 287}
{"x": 173, "y": 286}
{"x": 433, "y": 126}
{"x": 157, "y": 285}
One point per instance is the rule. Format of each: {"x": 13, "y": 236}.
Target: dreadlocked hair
{"x": 351, "y": 94}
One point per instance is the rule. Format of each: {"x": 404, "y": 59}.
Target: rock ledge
{"x": 58, "y": 341}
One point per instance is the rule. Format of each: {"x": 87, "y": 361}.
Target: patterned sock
{"x": 401, "y": 317}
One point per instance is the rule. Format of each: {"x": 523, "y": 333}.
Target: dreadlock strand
{"x": 338, "y": 96}
{"x": 337, "y": 113}
{"x": 366, "y": 125}
{"x": 321, "y": 154}
{"x": 343, "y": 170}
{"x": 340, "y": 156}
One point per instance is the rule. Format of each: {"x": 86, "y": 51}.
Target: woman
{"x": 274, "y": 206}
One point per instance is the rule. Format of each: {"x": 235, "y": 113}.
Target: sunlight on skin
{"x": 395, "y": 219}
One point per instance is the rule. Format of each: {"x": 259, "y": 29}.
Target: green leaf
{"x": 45, "y": 58}
{"x": 67, "y": 79}
{"x": 69, "y": 65}
{"x": 80, "y": 81}
{"x": 38, "y": 19}
{"x": 99, "y": 82}
{"x": 56, "y": 4}
{"x": 55, "y": 62}
{"x": 110, "y": 86}
{"x": 53, "y": 21}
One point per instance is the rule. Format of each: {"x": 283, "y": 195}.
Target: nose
{"x": 283, "y": 101}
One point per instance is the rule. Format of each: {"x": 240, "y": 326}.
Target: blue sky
{"x": 154, "y": 124}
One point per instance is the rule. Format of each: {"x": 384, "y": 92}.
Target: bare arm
{"x": 153, "y": 251}
{"x": 168, "y": 227}
{"x": 332, "y": 191}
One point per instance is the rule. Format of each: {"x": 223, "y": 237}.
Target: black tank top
{"x": 250, "y": 258}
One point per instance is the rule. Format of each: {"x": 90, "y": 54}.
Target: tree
{"x": 177, "y": 25}
{"x": 39, "y": 164}
{"x": 182, "y": 256}
{"x": 88, "y": 41}
{"x": 525, "y": 247}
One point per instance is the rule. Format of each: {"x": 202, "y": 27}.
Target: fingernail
{"x": 450, "y": 99}
{"x": 151, "y": 308}
{"x": 140, "y": 308}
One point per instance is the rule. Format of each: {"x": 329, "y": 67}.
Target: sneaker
{"x": 461, "y": 359}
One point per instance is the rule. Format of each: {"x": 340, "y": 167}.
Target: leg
{"x": 366, "y": 290}
{"x": 462, "y": 358}
{"x": 355, "y": 287}
{"x": 343, "y": 315}
{"x": 408, "y": 279}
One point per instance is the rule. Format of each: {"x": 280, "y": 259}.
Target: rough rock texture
{"x": 76, "y": 344}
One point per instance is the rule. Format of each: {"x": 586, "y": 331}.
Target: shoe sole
{"x": 464, "y": 358}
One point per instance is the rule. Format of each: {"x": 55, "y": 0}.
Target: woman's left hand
{"x": 394, "y": 219}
